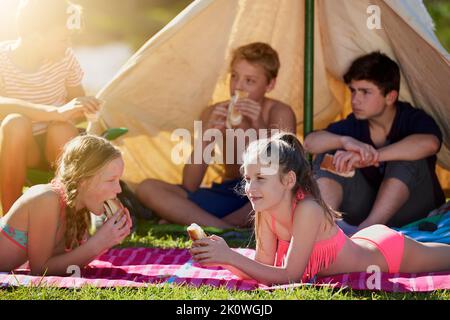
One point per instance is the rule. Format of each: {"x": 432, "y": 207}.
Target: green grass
{"x": 169, "y": 292}
{"x": 149, "y": 234}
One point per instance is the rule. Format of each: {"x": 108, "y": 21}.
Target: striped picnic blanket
{"x": 138, "y": 267}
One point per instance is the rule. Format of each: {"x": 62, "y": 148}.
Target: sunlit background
{"x": 114, "y": 29}
{"x": 117, "y": 28}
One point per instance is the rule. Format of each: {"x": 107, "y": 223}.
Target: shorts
{"x": 221, "y": 199}
{"x": 359, "y": 195}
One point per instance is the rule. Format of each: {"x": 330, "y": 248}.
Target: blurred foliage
{"x": 131, "y": 21}
{"x": 440, "y": 12}
{"x": 135, "y": 21}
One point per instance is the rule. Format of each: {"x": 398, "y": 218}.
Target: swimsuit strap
{"x": 299, "y": 196}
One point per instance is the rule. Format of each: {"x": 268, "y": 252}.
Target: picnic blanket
{"x": 439, "y": 219}
{"x": 139, "y": 267}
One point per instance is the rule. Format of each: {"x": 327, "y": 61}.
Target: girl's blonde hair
{"x": 81, "y": 159}
{"x": 290, "y": 157}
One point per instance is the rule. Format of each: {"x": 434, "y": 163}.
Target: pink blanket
{"x": 136, "y": 267}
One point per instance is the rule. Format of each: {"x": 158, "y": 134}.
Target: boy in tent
{"x": 254, "y": 69}
{"x": 390, "y": 145}
{"x": 41, "y": 95}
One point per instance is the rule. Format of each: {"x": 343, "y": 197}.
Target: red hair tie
{"x": 300, "y": 195}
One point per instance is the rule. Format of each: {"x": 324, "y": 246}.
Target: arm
{"x": 36, "y": 112}
{"x": 39, "y": 112}
{"x": 322, "y": 141}
{"x": 75, "y": 92}
{"x": 266, "y": 246}
{"x": 43, "y": 221}
{"x": 282, "y": 117}
{"x": 413, "y": 147}
{"x": 305, "y": 230}
{"x": 212, "y": 118}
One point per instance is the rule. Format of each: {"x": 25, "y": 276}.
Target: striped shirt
{"x": 48, "y": 85}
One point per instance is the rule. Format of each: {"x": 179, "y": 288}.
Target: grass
{"x": 149, "y": 234}
{"x": 169, "y": 292}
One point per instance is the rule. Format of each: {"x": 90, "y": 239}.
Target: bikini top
{"x": 323, "y": 254}
{"x": 20, "y": 237}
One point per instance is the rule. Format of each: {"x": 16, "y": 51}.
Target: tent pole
{"x": 308, "y": 81}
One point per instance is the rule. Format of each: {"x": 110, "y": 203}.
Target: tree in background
{"x": 440, "y": 12}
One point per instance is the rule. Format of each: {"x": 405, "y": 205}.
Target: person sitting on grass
{"x": 297, "y": 237}
{"x": 390, "y": 145}
{"x": 254, "y": 69}
{"x": 41, "y": 95}
{"x": 48, "y": 225}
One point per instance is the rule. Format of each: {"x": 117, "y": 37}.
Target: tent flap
{"x": 183, "y": 69}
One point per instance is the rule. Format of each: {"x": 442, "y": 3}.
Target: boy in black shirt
{"x": 391, "y": 145}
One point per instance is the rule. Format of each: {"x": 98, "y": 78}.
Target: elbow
{"x": 191, "y": 187}
{"x": 308, "y": 144}
{"x": 41, "y": 270}
{"x": 435, "y": 145}
{"x": 430, "y": 146}
{"x": 284, "y": 276}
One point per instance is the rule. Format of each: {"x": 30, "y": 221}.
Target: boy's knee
{"x": 328, "y": 185}
{"x": 145, "y": 188}
{"x": 16, "y": 126}
{"x": 408, "y": 172}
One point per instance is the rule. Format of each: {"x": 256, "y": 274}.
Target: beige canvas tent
{"x": 183, "y": 68}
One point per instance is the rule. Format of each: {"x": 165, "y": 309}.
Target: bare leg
{"x": 331, "y": 192}
{"x": 171, "y": 203}
{"x": 18, "y": 150}
{"x": 58, "y": 134}
{"x": 425, "y": 257}
{"x": 391, "y": 196}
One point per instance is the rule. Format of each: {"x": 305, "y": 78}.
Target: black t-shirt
{"x": 407, "y": 121}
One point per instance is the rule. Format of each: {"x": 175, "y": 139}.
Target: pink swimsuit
{"x": 323, "y": 254}
{"x": 389, "y": 242}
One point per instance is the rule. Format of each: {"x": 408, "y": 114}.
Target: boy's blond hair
{"x": 40, "y": 16}
{"x": 261, "y": 54}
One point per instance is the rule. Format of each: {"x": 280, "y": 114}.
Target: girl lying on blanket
{"x": 48, "y": 225}
{"x": 296, "y": 234}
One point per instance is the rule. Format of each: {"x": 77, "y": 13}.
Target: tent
{"x": 183, "y": 69}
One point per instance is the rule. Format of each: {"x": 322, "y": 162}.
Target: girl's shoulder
{"x": 308, "y": 208}
{"x": 42, "y": 195}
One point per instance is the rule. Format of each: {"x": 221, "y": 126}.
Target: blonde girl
{"x": 48, "y": 225}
